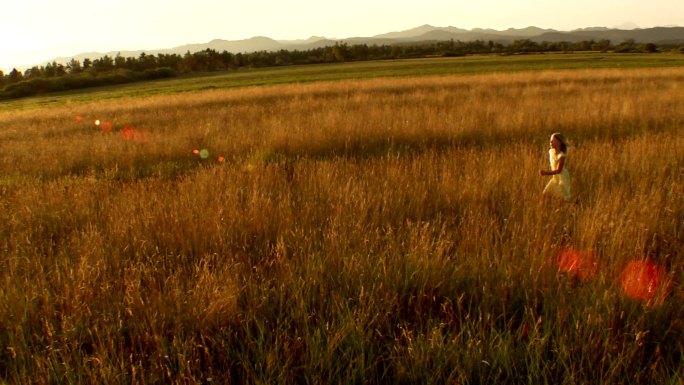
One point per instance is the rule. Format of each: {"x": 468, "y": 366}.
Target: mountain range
{"x": 424, "y": 33}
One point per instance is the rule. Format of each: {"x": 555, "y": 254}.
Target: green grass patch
{"x": 355, "y": 70}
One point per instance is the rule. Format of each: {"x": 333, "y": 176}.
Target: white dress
{"x": 559, "y": 185}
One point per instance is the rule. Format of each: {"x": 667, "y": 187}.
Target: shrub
{"x": 159, "y": 73}
{"x": 19, "y": 90}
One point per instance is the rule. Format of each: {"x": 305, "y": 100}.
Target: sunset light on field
{"x": 375, "y": 221}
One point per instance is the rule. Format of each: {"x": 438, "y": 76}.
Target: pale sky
{"x": 35, "y": 31}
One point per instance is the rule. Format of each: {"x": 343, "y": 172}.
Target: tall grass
{"x": 376, "y": 231}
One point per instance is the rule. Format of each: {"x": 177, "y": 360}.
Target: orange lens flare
{"x": 129, "y": 133}
{"x": 106, "y": 126}
{"x": 642, "y": 280}
{"x": 582, "y": 265}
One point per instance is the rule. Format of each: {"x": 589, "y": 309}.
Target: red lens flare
{"x": 106, "y": 126}
{"x": 195, "y": 151}
{"x": 79, "y": 118}
{"x": 221, "y": 159}
{"x": 130, "y": 133}
{"x": 582, "y": 265}
{"x": 641, "y": 280}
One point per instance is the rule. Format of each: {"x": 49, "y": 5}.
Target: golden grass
{"x": 387, "y": 230}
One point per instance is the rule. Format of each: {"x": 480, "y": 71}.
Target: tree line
{"x": 54, "y": 77}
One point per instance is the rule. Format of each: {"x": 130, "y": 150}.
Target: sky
{"x": 33, "y": 32}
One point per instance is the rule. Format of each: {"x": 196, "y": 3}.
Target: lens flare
{"x": 221, "y": 159}
{"x": 79, "y": 118}
{"x": 641, "y": 280}
{"x": 204, "y": 153}
{"x": 130, "y": 133}
{"x": 106, "y": 126}
{"x": 195, "y": 151}
{"x": 97, "y": 122}
{"x": 568, "y": 260}
{"x": 582, "y": 265}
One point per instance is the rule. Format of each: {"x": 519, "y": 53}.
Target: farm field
{"x": 467, "y": 65}
{"x": 348, "y": 229}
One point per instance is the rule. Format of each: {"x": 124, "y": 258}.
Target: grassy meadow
{"x": 382, "y": 230}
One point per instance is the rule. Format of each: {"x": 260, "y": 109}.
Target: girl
{"x": 559, "y": 185}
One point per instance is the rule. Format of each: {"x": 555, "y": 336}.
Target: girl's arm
{"x": 561, "y": 163}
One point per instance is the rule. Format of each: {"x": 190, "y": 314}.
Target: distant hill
{"x": 657, "y": 35}
{"x": 419, "y": 31}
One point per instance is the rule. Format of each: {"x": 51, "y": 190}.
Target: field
{"x": 352, "y": 229}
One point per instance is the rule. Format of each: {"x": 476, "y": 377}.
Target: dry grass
{"x": 382, "y": 231}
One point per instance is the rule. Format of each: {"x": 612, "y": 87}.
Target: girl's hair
{"x": 561, "y": 140}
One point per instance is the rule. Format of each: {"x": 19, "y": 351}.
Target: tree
{"x": 171, "y": 61}
{"x": 649, "y": 48}
{"x": 189, "y": 63}
{"x": 626, "y": 46}
{"x": 228, "y": 59}
{"x": 359, "y": 51}
{"x": 240, "y": 60}
{"x": 396, "y": 51}
{"x": 103, "y": 64}
{"x": 283, "y": 58}
{"x": 74, "y": 66}
{"x": 131, "y": 63}
{"x": 602, "y": 45}
{"x": 49, "y": 71}
{"x": 524, "y": 45}
{"x": 147, "y": 61}
{"x": 584, "y": 45}
{"x": 60, "y": 70}
{"x": 15, "y": 76}
{"x": 33, "y": 73}
{"x": 340, "y": 51}
{"x": 119, "y": 61}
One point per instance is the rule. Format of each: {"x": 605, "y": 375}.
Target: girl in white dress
{"x": 559, "y": 185}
